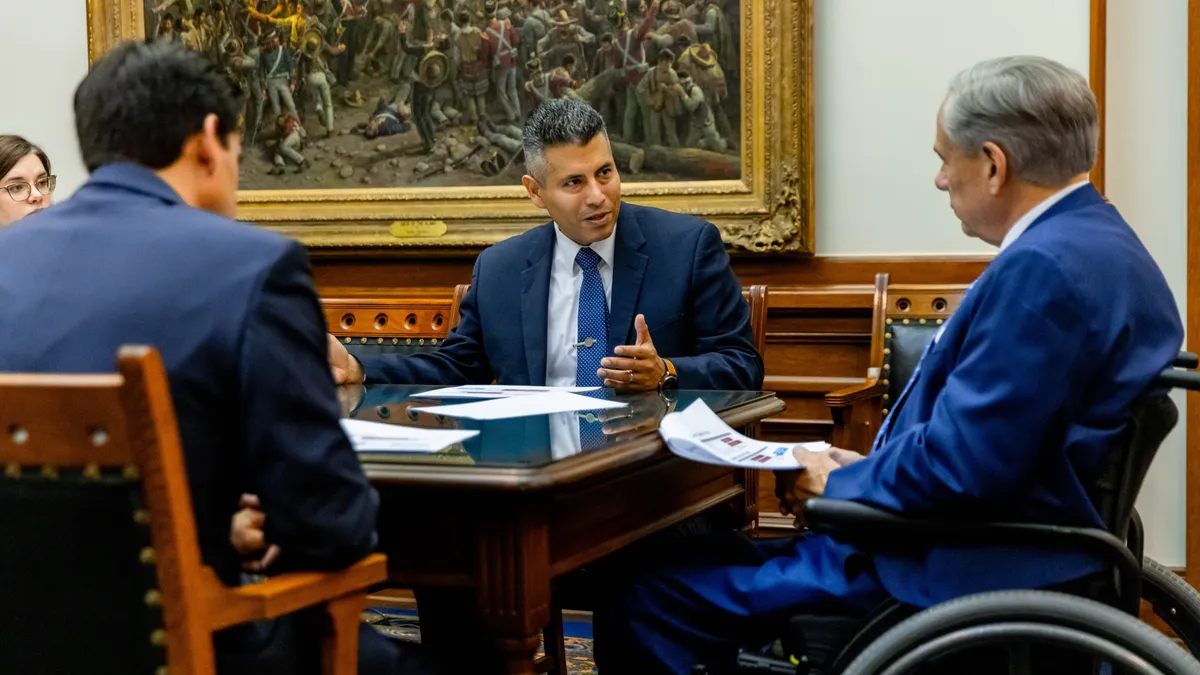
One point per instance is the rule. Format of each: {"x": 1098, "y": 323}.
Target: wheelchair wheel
{"x": 1174, "y": 601}
{"x": 1017, "y": 621}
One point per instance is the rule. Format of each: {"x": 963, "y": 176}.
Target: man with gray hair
{"x": 1014, "y": 404}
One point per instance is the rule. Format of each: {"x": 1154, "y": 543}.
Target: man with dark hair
{"x": 608, "y": 293}
{"x": 146, "y": 253}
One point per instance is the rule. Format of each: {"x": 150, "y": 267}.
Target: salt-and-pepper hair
{"x": 556, "y": 122}
{"x": 1041, "y": 113}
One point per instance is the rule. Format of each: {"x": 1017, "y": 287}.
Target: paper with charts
{"x": 376, "y": 437}
{"x": 521, "y": 406}
{"x": 699, "y": 435}
{"x": 480, "y": 391}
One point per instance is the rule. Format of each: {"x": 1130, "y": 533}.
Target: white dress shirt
{"x": 1031, "y": 215}
{"x": 562, "y": 311}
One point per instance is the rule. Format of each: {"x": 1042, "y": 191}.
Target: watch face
{"x": 670, "y": 382}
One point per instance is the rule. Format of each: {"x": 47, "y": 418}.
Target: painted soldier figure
{"x": 566, "y": 37}
{"x": 701, "y": 62}
{"x": 702, "y": 130}
{"x": 320, "y": 77}
{"x": 472, "y": 67}
{"x": 503, "y": 44}
{"x": 276, "y": 65}
{"x": 661, "y": 95}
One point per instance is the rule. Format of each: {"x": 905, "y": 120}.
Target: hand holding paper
{"x": 698, "y": 434}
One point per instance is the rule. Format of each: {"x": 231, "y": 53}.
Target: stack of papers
{"x": 545, "y": 403}
{"x": 376, "y": 437}
{"x": 495, "y": 391}
{"x": 699, "y": 435}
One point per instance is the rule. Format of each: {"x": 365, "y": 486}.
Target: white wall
{"x": 881, "y": 70}
{"x": 44, "y": 44}
{"x": 1146, "y": 178}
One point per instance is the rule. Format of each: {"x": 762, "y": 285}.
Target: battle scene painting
{"x": 433, "y": 93}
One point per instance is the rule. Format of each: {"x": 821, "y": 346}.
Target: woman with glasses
{"x": 25, "y": 176}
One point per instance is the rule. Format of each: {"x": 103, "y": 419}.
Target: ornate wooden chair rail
{"x": 100, "y": 562}
{"x": 380, "y": 322}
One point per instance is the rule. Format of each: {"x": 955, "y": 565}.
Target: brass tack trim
{"x": 433, "y": 341}
{"x": 141, "y": 517}
{"x": 422, "y": 341}
{"x": 162, "y": 670}
{"x": 147, "y": 556}
{"x": 348, "y": 340}
{"x": 12, "y": 470}
{"x": 380, "y": 341}
{"x": 888, "y": 336}
{"x": 408, "y": 341}
{"x": 886, "y": 397}
{"x": 941, "y": 321}
{"x": 885, "y": 383}
{"x": 887, "y": 366}
{"x": 888, "y": 322}
{"x": 153, "y": 598}
{"x": 906, "y": 322}
{"x": 395, "y": 341}
{"x": 923, "y": 322}
{"x": 131, "y": 472}
{"x": 886, "y": 350}
{"x": 363, "y": 340}
{"x": 885, "y": 411}
{"x": 49, "y": 472}
{"x": 158, "y": 638}
{"x": 91, "y": 472}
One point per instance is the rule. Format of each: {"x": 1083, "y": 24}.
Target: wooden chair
{"x": 100, "y": 564}
{"x": 380, "y": 322}
{"x": 757, "y": 297}
{"x": 904, "y": 320}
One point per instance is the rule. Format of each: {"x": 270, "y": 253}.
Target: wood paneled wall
{"x": 818, "y": 321}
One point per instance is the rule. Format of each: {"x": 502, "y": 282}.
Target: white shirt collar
{"x": 565, "y": 249}
{"x": 1031, "y": 215}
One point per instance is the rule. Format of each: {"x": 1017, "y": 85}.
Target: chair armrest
{"x": 287, "y": 593}
{"x": 876, "y": 529}
{"x": 855, "y": 393}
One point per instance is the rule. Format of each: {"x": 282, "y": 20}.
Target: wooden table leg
{"x": 514, "y": 583}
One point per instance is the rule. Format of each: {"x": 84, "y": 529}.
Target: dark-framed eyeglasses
{"x": 20, "y": 191}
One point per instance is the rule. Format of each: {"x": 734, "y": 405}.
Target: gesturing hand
{"x": 636, "y": 367}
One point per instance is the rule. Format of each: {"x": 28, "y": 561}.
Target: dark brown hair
{"x": 14, "y": 148}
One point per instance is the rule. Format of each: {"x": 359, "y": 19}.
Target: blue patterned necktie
{"x": 593, "y": 321}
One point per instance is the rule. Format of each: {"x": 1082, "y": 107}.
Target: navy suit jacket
{"x": 670, "y": 267}
{"x": 232, "y": 310}
{"x": 1018, "y": 401}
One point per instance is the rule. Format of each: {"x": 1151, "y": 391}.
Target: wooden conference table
{"x": 523, "y": 503}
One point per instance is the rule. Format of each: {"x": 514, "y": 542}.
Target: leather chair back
{"x": 912, "y": 317}
{"x": 97, "y": 531}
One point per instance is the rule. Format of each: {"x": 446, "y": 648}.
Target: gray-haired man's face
{"x": 580, "y": 188}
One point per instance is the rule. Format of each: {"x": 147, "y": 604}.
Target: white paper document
{"x": 495, "y": 391}
{"x": 378, "y": 437}
{"x": 521, "y": 406}
{"x": 699, "y": 435}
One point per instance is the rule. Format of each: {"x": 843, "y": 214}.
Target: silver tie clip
{"x": 587, "y": 342}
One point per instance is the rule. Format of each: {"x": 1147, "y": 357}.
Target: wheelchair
{"x": 1088, "y": 627}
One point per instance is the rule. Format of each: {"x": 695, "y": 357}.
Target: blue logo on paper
{"x": 779, "y": 452}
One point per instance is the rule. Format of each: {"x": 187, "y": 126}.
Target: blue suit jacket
{"x": 232, "y": 310}
{"x": 670, "y": 267}
{"x": 1016, "y": 404}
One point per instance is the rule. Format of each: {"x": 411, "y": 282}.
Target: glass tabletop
{"x": 526, "y": 442}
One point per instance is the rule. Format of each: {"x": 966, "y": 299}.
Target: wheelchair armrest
{"x": 1186, "y": 360}
{"x": 1179, "y": 379}
{"x": 875, "y": 529}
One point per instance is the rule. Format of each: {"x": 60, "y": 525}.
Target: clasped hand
{"x": 635, "y": 367}
{"x": 793, "y": 488}
{"x": 246, "y": 535}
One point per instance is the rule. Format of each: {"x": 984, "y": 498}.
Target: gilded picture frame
{"x": 769, "y": 209}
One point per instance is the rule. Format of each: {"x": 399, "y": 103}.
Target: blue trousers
{"x": 709, "y": 596}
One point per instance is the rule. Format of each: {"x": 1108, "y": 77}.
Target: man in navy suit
{"x": 631, "y": 297}
{"x": 1008, "y": 416}
{"x": 146, "y": 252}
